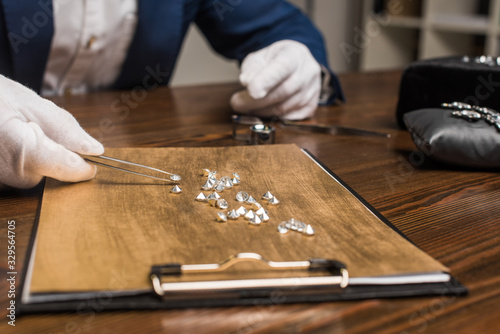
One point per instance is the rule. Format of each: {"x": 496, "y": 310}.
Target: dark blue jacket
{"x": 234, "y": 28}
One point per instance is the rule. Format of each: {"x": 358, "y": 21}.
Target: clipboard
{"x": 121, "y": 242}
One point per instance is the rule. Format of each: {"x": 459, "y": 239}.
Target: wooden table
{"x": 451, "y": 214}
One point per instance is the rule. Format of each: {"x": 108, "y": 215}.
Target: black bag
{"x": 428, "y": 83}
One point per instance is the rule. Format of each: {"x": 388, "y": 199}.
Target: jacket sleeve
{"x": 235, "y": 28}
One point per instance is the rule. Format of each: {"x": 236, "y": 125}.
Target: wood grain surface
{"x": 88, "y": 231}
{"x": 452, "y": 214}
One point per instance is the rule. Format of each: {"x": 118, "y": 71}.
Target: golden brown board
{"x": 106, "y": 233}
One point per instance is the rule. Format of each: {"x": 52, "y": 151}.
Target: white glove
{"x": 37, "y": 138}
{"x": 281, "y": 80}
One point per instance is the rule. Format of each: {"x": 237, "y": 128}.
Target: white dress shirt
{"x": 90, "y": 43}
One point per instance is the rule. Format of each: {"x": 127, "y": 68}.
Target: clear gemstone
{"x": 205, "y": 172}
{"x": 201, "y": 197}
{"x": 309, "y": 230}
{"x": 264, "y": 217}
{"x": 222, "y": 204}
{"x": 261, "y": 210}
{"x": 282, "y": 228}
{"x": 228, "y": 184}
{"x": 301, "y": 226}
{"x": 241, "y": 196}
{"x": 273, "y": 201}
{"x": 175, "y": 178}
{"x": 250, "y": 200}
{"x": 176, "y": 190}
{"x": 255, "y": 220}
{"x": 236, "y": 176}
{"x": 212, "y": 180}
{"x": 221, "y": 217}
{"x": 212, "y": 174}
{"x": 267, "y": 196}
{"x": 207, "y": 186}
{"x": 242, "y": 211}
{"x": 211, "y": 196}
{"x": 235, "y": 181}
{"x": 212, "y": 201}
{"x": 249, "y": 215}
{"x": 233, "y": 214}
{"x": 219, "y": 187}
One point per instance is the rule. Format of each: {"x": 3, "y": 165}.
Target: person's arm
{"x": 37, "y": 139}
{"x": 240, "y": 29}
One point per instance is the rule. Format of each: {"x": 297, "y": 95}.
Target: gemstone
{"x": 212, "y": 174}
{"x": 208, "y": 185}
{"x": 249, "y": 215}
{"x": 250, "y": 200}
{"x": 236, "y": 176}
{"x": 235, "y": 181}
{"x": 176, "y": 190}
{"x": 273, "y": 201}
{"x": 242, "y": 211}
{"x": 219, "y": 187}
{"x": 241, "y": 196}
{"x": 255, "y": 220}
{"x": 264, "y": 217}
{"x": 233, "y": 214}
{"x": 222, "y": 204}
{"x": 267, "y": 196}
{"x": 228, "y": 184}
{"x": 205, "y": 172}
{"x": 201, "y": 197}
{"x": 221, "y": 217}
{"x": 213, "y": 195}
{"x": 212, "y": 201}
{"x": 175, "y": 178}
{"x": 282, "y": 228}
{"x": 212, "y": 180}
{"x": 261, "y": 210}
{"x": 309, "y": 230}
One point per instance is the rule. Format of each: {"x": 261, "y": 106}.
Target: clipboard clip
{"x": 338, "y": 275}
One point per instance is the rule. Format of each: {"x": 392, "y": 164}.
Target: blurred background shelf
{"x": 366, "y": 35}
{"x": 410, "y": 30}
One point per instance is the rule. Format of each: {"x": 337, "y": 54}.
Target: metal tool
{"x": 173, "y": 177}
{"x": 261, "y": 134}
{"x": 239, "y": 120}
{"x": 333, "y": 129}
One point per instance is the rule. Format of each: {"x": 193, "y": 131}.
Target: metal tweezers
{"x": 173, "y": 177}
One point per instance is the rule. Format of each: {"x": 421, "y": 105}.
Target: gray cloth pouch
{"x": 459, "y": 141}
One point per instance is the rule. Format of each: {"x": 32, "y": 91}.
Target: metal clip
{"x": 339, "y": 275}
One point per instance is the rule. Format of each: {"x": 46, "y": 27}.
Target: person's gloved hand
{"x": 37, "y": 138}
{"x": 281, "y": 80}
